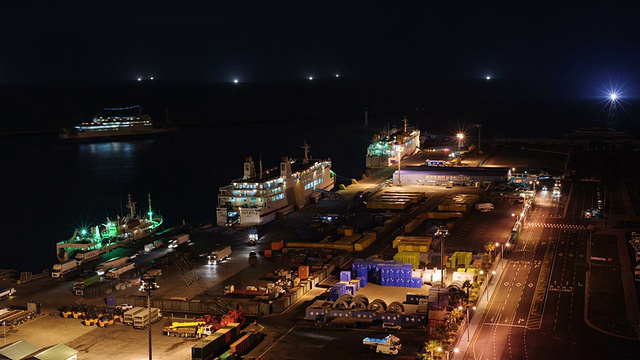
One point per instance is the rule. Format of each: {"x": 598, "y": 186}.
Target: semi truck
{"x": 116, "y": 272}
{"x": 484, "y": 207}
{"x": 389, "y": 340}
{"x": 148, "y": 316}
{"x": 80, "y": 284}
{"x": 63, "y": 268}
{"x": 218, "y": 255}
{"x": 86, "y": 256}
{"x": 111, "y": 263}
{"x": 5, "y": 293}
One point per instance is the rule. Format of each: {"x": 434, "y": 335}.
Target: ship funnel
{"x": 249, "y": 168}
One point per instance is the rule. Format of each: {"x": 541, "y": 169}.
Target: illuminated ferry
{"x": 121, "y": 122}
{"x": 258, "y": 198}
{"x": 112, "y": 234}
{"x": 388, "y": 143}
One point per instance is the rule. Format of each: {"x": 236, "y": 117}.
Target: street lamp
{"x": 502, "y": 246}
{"x": 148, "y": 285}
{"x": 467, "y": 319}
{"x": 447, "y": 351}
{"x": 479, "y": 126}
{"x": 460, "y": 137}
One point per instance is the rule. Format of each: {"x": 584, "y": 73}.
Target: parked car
{"x": 124, "y": 307}
{"x": 391, "y": 326}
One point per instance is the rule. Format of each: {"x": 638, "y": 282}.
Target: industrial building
{"x": 450, "y": 176}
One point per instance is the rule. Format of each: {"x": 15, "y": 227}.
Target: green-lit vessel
{"x": 112, "y": 234}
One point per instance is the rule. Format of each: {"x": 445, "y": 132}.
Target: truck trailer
{"x": 86, "y": 256}
{"x": 484, "y": 207}
{"x": 218, "y": 255}
{"x": 63, "y": 268}
{"x": 148, "y": 316}
{"x": 116, "y": 272}
{"x": 111, "y": 263}
{"x": 5, "y": 293}
{"x": 127, "y": 317}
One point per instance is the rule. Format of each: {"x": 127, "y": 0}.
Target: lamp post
{"x": 148, "y": 285}
{"x": 467, "y": 319}
{"x": 447, "y": 352}
{"x": 479, "y": 126}
{"x": 502, "y": 246}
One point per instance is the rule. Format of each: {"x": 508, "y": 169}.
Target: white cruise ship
{"x": 259, "y": 197}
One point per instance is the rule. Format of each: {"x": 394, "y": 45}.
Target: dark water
{"x": 51, "y": 187}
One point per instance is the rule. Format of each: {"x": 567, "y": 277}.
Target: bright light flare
{"x": 310, "y": 77}
{"x": 613, "y": 96}
{"x": 235, "y": 81}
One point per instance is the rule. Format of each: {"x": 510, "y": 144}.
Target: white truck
{"x": 110, "y": 264}
{"x": 63, "y": 268}
{"x": 218, "y": 255}
{"x": 484, "y": 207}
{"x": 87, "y": 256}
{"x": 141, "y": 319}
{"x": 115, "y": 273}
{"x": 5, "y": 293}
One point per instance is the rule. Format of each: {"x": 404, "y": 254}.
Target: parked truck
{"x": 484, "y": 207}
{"x": 80, "y": 284}
{"x": 111, "y": 263}
{"x": 389, "y": 340}
{"x": 115, "y": 273}
{"x": 5, "y": 293}
{"x": 86, "y": 256}
{"x": 248, "y": 291}
{"x": 63, "y": 268}
{"x": 218, "y": 255}
{"x": 148, "y": 316}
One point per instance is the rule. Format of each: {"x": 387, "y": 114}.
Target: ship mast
{"x": 404, "y": 119}
{"x": 131, "y": 206}
{"x": 150, "y": 214}
{"x": 306, "y": 152}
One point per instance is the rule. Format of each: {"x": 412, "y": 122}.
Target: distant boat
{"x": 116, "y": 123}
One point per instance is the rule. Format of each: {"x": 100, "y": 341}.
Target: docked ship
{"x": 116, "y": 123}
{"x": 112, "y": 234}
{"x": 386, "y": 145}
{"x": 259, "y": 198}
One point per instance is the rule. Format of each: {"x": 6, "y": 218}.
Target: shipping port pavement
{"x": 98, "y": 343}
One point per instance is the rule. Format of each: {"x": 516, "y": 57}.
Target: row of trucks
{"x": 17, "y": 315}
{"x": 388, "y": 345}
{"x": 202, "y": 327}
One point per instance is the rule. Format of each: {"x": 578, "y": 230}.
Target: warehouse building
{"x": 450, "y": 176}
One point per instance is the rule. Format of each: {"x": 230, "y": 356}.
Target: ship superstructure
{"x": 112, "y": 234}
{"x": 387, "y": 145}
{"x": 259, "y": 197}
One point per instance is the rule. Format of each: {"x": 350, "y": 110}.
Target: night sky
{"x": 585, "y": 45}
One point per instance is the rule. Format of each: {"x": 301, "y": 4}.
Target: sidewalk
{"x": 481, "y": 307}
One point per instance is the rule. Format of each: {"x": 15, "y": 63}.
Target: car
{"x": 124, "y": 307}
{"x": 391, "y": 326}
{"x": 253, "y": 254}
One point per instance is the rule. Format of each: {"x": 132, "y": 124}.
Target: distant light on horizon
{"x": 337, "y": 75}
{"x": 613, "y": 96}
{"x": 310, "y": 77}
{"x": 235, "y": 81}
{"x": 151, "y": 78}
{"x": 140, "y": 79}
{"x": 488, "y": 77}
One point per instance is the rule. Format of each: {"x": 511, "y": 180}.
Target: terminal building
{"x": 450, "y": 176}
